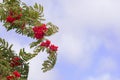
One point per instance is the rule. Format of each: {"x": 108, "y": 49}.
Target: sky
{"x": 88, "y": 40}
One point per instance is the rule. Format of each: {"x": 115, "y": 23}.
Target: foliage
{"x": 27, "y": 21}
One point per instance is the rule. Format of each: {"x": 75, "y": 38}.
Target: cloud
{"x": 1, "y": 1}
{"x": 107, "y": 64}
{"x": 105, "y": 76}
{"x": 79, "y": 50}
{"x": 102, "y": 77}
{"x": 94, "y": 23}
{"x": 92, "y": 9}
{"x": 97, "y": 15}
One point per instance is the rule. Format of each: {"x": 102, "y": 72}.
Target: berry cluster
{"x": 16, "y": 61}
{"x": 13, "y": 17}
{"x": 15, "y": 75}
{"x": 45, "y": 44}
{"x": 53, "y": 47}
{"x": 39, "y": 31}
{"x": 50, "y": 47}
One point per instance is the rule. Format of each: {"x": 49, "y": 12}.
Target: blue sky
{"x": 88, "y": 40}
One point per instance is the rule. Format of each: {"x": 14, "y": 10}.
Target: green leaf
{"x": 33, "y": 44}
{"x": 50, "y": 63}
{"x": 26, "y": 56}
{"x": 51, "y": 30}
{"x": 36, "y": 6}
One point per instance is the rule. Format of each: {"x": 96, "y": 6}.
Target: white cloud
{"x": 72, "y": 46}
{"x": 95, "y": 14}
{"x": 78, "y": 14}
{"x": 105, "y": 76}
{"x": 81, "y": 17}
{"x": 107, "y": 64}
{"x": 79, "y": 50}
{"x": 102, "y": 77}
{"x": 92, "y": 9}
{"x": 1, "y": 1}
